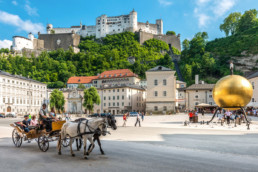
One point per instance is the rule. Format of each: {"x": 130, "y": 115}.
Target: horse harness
{"x": 85, "y": 132}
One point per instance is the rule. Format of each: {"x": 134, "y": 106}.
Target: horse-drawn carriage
{"x": 41, "y": 136}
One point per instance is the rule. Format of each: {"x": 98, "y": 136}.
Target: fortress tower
{"x": 133, "y": 19}
{"x": 49, "y": 28}
{"x": 159, "y": 23}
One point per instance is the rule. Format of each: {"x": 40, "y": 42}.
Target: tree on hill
{"x": 171, "y": 33}
{"x": 230, "y": 23}
{"x": 90, "y": 97}
{"x": 57, "y": 100}
{"x": 248, "y": 20}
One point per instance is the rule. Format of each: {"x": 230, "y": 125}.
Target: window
{"x": 109, "y": 98}
{"x": 210, "y": 96}
{"x": 104, "y": 97}
{"x": 123, "y": 97}
{"x": 109, "y": 104}
{"x": 155, "y": 82}
{"x": 117, "y": 97}
{"x": 156, "y": 108}
{"x": 3, "y": 100}
{"x": 155, "y": 93}
{"x": 164, "y": 108}
{"x": 117, "y": 90}
{"x": 164, "y": 93}
{"x": 164, "y": 82}
{"x": 129, "y": 97}
{"x": 196, "y": 91}
{"x": 253, "y": 84}
{"x": 114, "y": 104}
{"x": 117, "y": 103}
{"x": 114, "y": 90}
{"x": 196, "y": 103}
{"x": 109, "y": 90}
{"x": 252, "y": 99}
{"x": 122, "y": 103}
{"x": 104, "y": 104}
{"x": 196, "y": 96}
{"x": 13, "y": 100}
{"x": 210, "y": 103}
{"x": 114, "y": 97}
{"x": 104, "y": 91}
{"x": 123, "y": 90}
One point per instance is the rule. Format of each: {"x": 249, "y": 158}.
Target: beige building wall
{"x": 120, "y": 100}
{"x": 195, "y": 97}
{"x": 254, "y": 82}
{"x": 160, "y": 97}
{"x": 116, "y": 81}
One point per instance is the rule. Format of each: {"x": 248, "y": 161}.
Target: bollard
{"x": 235, "y": 123}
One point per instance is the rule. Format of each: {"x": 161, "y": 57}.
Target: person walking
{"x": 124, "y": 119}
{"x": 190, "y": 116}
{"x": 138, "y": 120}
{"x": 143, "y": 116}
{"x": 228, "y": 115}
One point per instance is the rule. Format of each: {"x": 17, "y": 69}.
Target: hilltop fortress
{"x": 70, "y": 37}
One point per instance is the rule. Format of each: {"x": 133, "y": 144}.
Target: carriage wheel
{"x": 17, "y": 139}
{"x": 66, "y": 141}
{"x": 43, "y": 143}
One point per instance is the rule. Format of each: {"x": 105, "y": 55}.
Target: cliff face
{"x": 246, "y": 63}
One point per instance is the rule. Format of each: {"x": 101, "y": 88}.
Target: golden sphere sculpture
{"x": 232, "y": 92}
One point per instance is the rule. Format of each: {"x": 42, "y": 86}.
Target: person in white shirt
{"x": 138, "y": 120}
{"x": 228, "y": 114}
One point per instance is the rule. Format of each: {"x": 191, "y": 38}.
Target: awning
{"x": 252, "y": 104}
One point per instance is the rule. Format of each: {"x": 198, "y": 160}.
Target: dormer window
{"x": 120, "y": 74}
{"x": 125, "y": 74}
{"x": 105, "y": 76}
{"x": 79, "y": 80}
{"x": 115, "y": 75}
{"x": 110, "y": 75}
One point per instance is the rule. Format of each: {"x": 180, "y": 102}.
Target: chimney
{"x": 196, "y": 79}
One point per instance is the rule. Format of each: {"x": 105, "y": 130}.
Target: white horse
{"x": 86, "y": 129}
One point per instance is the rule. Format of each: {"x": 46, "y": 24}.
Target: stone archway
{"x": 9, "y": 109}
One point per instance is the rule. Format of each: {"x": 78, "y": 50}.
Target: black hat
{"x": 26, "y": 116}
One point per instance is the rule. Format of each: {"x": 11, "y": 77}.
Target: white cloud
{"x": 222, "y": 6}
{"x": 165, "y": 2}
{"x": 5, "y": 43}
{"x": 24, "y": 25}
{"x": 14, "y": 3}
{"x": 203, "y": 20}
{"x": 31, "y": 11}
{"x": 207, "y": 10}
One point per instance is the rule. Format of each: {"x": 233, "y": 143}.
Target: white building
{"x": 20, "y": 95}
{"x": 31, "y": 43}
{"x": 121, "y": 99}
{"x": 111, "y": 25}
{"x": 161, "y": 90}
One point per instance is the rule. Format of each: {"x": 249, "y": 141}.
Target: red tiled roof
{"x": 81, "y": 79}
{"x": 120, "y": 73}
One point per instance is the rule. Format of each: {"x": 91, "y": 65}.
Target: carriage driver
{"x": 43, "y": 119}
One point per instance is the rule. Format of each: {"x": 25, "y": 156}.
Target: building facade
{"x": 197, "y": 94}
{"x": 161, "y": 90}
{"x": 107, "y": 78}
{"x": 21, "y": 95}
{"x": 253, "y": 78}
{"x": 180, "y": 95}
{"x": 45, "y": 42}
{"x": 111, "y": 25}
{"x": 114, "y": 99}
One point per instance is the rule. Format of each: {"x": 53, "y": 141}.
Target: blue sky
{"x": 187, "y": 17}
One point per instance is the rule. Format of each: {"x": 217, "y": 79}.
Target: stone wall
{"x": 173, "y": 40}
{"x": 38, "y": 44}
{"x": 66, "y": 40}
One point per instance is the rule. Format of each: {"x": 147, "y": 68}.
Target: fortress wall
{"x": 66, "y": 40}
{"x": 173, "y": 40}
{"x": 144, "y": 36}
{"x": 38, "y": 44}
